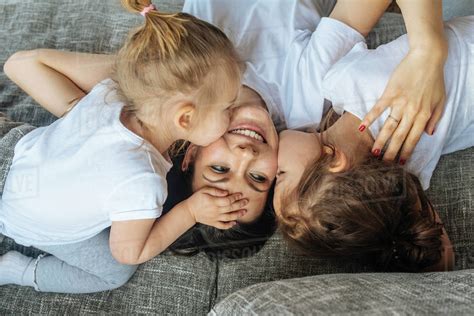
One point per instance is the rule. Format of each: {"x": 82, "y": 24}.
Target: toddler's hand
{"x": 215, "y": 207}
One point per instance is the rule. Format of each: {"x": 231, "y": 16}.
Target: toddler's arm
{"x": 56, "y": 79}
{"x": 135, "y": 242}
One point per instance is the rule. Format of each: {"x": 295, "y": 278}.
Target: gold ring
{"x": 398, "y": 121}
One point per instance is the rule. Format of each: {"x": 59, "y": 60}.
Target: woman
{"x": 287, "y": 59}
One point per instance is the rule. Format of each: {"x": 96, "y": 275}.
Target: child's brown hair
{"x": 375, "y": 212}
{"x": 173, "y": 54}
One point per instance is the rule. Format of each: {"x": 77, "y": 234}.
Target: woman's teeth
{"x": 248, "y": 133}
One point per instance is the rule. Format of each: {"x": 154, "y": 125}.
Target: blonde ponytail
{"x": 165, "y": 29}
{"x": 169, "y": 54}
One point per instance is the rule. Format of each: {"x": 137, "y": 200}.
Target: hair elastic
{"x": 148, "y": 9}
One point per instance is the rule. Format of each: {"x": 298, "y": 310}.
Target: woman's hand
{"x": 416, "y": 97}
{"x": 215, "y": 207}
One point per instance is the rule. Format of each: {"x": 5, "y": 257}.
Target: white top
{"x": 286, "y": 56}
{"x": 356, "y": 82}
{"x": 70, "y": 180}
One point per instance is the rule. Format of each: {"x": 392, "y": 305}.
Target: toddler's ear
{"x": 184, "y": 116}
{"x": 340, "y": 162}
{"x": 189, "y": 157}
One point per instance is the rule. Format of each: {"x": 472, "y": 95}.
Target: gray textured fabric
{"x": 450, "y": 293}
{"x": 390, "y": 27}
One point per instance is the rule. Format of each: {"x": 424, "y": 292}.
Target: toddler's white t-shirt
{"x": 72, "y": 179}
{"x": 287, "y": 47}
{"x": 358, "y": 80}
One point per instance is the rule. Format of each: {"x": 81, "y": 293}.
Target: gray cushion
{"x": 357, "y": 294}
{"x": 452, "y": 192}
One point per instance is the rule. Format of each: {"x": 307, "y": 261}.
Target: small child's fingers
{"x": 233, "y": 216}
{"x": 228, "y": 201}
{"x": 215, "y": 191}
{"x": 234, "y": 198}
{"x": 235, "y": 206}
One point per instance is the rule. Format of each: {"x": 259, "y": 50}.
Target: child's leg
{"x": 83, "y": 267}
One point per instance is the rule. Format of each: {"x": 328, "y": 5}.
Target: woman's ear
{"x": 189, "y": 156}
{"x": 340, "y": 162}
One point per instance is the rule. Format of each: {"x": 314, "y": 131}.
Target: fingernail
{"x": 362, "y": 128}
{"x": 242, "y": 213}
{"x": 402, "y": 162}
{"x": 376, "y": 152}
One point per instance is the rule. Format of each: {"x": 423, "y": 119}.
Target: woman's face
{"x": 244, "y": 159}
{"x": 296, "y": 151}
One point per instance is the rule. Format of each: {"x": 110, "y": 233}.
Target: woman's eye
{"x": 219, "y": 169}
{"x": 258, "y": 178}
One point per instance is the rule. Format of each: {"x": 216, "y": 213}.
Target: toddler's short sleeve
{"x": 141, "y": 197}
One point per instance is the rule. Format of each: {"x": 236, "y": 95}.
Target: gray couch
{"x": 274, "y": 281}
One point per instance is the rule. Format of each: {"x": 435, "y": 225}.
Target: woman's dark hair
{"x": 240, "y": 241}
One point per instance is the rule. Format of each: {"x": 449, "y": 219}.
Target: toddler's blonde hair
{"x": 173, "y": 54}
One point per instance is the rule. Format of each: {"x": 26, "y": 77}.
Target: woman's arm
{"x": 361, "y": 15}
{"x": 55, "y": 78}
{"x": 416, "y": 91}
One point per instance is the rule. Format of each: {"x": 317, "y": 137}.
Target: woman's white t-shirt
{"x": 72, "y": 179}
{"x": 287, "y": 47}
{"x": 358, "y": 80}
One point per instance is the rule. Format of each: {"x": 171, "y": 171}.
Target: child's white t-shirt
{"x": 72, "y": 179}
{"x": 358, "y": 80}
{"x": 287, "y": 47}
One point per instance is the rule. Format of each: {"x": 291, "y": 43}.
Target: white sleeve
{"x": 141, "y": 197}
{"x": 309, "y": 61}
{"x": 331, "y": 41}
